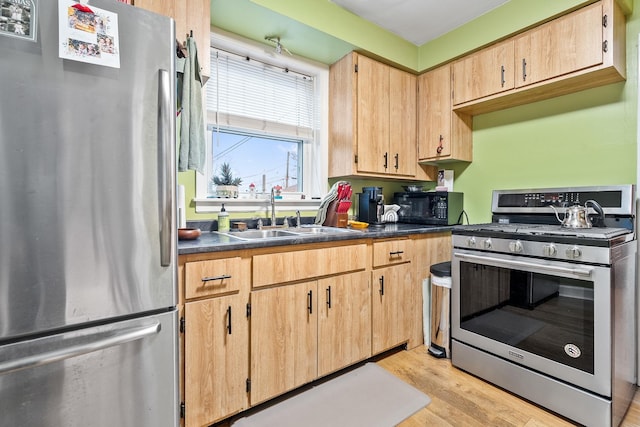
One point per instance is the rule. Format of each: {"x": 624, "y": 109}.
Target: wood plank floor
{"x": 459, "y": 399}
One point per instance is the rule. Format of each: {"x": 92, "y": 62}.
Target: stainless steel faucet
{"x": 273, "y": 207}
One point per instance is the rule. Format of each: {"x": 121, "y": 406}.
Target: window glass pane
{"x": 257, "y": 159}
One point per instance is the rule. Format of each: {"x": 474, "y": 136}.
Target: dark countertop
{"x": 211, "y": 241}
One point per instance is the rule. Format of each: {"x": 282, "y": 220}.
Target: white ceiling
{"x": 419, "y": 21}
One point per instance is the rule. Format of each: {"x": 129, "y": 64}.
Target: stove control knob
{"x": 515, "y": 247}
{"x": 471, "y": 242}
{"x": 574, "y": 252}
{"x": 549, "y": 250}
{"x": 487, "y": 243}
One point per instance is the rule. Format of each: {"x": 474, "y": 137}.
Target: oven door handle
{"x": 576, "y": 271}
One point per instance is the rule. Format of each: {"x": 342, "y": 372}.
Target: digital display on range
{"x": 559, "y": 199}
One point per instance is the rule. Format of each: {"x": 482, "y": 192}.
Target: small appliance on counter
{"x": 371, "y": 206}
{"x": 429, "y": 207}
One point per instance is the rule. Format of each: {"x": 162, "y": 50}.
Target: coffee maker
{"x": 371, "y": 206}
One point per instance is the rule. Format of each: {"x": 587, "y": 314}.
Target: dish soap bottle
{"x": 223, "y": 220}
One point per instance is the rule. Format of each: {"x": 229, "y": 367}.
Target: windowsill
{"x": 213, "y": 205}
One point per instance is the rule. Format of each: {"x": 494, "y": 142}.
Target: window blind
{"x": 244, "y": 93}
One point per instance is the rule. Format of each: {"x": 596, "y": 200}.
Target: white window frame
{"x": 315, "y": 153}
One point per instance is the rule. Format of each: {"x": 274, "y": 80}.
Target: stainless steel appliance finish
{"x": 87, "y": 226}
{"x": 548, "y": 312}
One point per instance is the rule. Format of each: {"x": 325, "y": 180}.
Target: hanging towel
{"x": 192, "y": 149}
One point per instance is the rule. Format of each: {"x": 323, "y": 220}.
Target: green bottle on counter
{"x": 223, "y": 220}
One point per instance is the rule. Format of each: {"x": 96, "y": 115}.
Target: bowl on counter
{"x": 188, "y": 233}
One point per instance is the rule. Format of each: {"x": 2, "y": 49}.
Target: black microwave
{"x": 429, "y": 207}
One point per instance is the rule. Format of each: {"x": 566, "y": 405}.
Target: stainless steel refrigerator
{"x": 88, "y": 322}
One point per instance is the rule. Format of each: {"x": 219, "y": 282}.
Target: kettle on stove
{"x": 576, "y": 216}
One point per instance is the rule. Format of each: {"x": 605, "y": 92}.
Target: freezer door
{"x": 87, "y": 177}
{"x": 122, "y": 374}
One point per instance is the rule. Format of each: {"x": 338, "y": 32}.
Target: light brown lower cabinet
{"x": 391, "y": 288}
{"x": 284, "y": 339}
{"x": 216, "y": 359}
{"x": 344, "y": 321}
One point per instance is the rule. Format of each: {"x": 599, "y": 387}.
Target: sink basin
{"x": 320, "y": 230}
{"x": 260, "y": 234}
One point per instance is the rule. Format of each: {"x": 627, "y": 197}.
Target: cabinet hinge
{"x": 604, "y": 21}
{"x": 248, "y": 385}
{"x": 182, "y": 409}
{"x": 355, "y": 68}
{"x": 355, "y": 158}
{"x": 182, "y": 325}
{"x": 248, "y": 309}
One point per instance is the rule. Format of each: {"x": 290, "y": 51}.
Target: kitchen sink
{"x": 320, "y": 230}
{"x": 260, "y": 234}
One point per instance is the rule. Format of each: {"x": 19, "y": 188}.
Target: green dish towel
{"x": 191, "y": 153}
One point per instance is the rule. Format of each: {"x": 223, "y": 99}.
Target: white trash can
{"x": 440, "y": 328}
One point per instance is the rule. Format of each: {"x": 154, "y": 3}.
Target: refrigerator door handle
{"x": 20, "y": 357}
{"x": 166, "y": 164}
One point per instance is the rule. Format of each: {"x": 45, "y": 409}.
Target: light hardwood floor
{"x": 459, "y": 399}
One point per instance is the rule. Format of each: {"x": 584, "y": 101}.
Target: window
{"x": 264, "y": 115}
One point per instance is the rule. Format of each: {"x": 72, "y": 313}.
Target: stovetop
{"x": 547, "y": 230}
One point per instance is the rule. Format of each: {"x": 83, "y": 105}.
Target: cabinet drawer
{"x": 213, "y": 277}
{"x": 391, "y": 252}
{"x": 285, "y": 267}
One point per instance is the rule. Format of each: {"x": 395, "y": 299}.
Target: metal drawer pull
{"x": 381, "y": 285}
{"x": 329, "y": 297}
{"x": 222, "y": 277}
{"x": 512, "y": 263}
{"x": 229, "y": 320}
{"x": 85, "y": 345}
{"x": 310, "y": 302}
{"x": 391, "y": 254}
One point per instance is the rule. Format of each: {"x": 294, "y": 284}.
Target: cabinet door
{"x": 402, "y": 123}
{"x": 344, "y": 321}
{"x": 484, "y": 73}
{"x": 569, "y": 43}
{"x": 390, "y": 302}
{"x": 216, "y": 359}
{"x": 284, "y": 339}
{"x": 434, "y": 114}
{"x": 373, "y": 116}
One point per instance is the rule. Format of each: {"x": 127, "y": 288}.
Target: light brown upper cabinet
{"x": 564, "y": 45}
{"x": 443, "y": 134}
{"x": 484, "y": 73}
{"x": 190, "y": 15}
{"x": 580, "y": 50}
{"x": 372, "y": 121}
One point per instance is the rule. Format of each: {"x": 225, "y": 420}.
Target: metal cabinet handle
{"x": 440, "y": 147}
{"x": 396, "y": 157}
{"x": 524, "y": 69}
{"x": 89, "y": 344}
{"x": 394, "y": 253}
{"x": 229, "y": 320}
{"x": 381, "y": 285}
{"x": 329, "y": 297}
{"x": 502, "y": 80}
{"x": 310, "y": 302}
{"x": 386, "y": 160}
{"x": 166, "y": 171}
{"x": 212, "y": 278}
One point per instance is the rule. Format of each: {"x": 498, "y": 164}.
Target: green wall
{"x": 587, "y": 138}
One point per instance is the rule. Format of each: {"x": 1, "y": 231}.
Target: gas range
{"x": 524, "y": 223}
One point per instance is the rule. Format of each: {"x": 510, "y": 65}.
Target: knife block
{"x": 334, "y": 219}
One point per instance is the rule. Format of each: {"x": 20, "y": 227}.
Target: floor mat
{"x": 368, "y": 396}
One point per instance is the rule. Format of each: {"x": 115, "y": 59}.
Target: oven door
{"x": 551, "y": 316}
